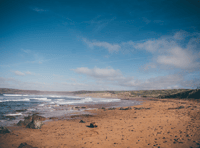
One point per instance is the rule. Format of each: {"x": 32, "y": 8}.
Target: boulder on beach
{"x": 4, "y": 130}
{"x": 35, "y": 124}
{"x": 25, "y": 145}
{"x": 34, "y": 121}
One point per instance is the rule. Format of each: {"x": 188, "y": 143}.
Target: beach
{"x": 155, "y": 123}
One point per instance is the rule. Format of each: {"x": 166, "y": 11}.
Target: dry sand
{"x": 158, "y": 123}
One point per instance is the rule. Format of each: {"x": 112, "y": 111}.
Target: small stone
{"x": 25, "y": 145}
{"x": 82, "y": 121}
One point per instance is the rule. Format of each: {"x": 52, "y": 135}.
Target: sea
{"x": 14, "y": 107}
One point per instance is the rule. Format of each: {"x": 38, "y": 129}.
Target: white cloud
{"x": 19, "y": 73}
{"x": 180, "y": 50}
{"x": 179, "y": 58}
{"x": 167, "y": 51}
{"x": 110, "y": 47}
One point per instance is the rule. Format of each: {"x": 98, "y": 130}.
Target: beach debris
{"x": 25, "y": 145}
{"x": 82, "y": 121}
{"x": 35, "y": 124}
{"x": 4, "y": 130}
{"x": 92, "y": 125}
{"x": 128, "y": 108}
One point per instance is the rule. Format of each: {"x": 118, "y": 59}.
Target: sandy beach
{"x": 164, "y": 123}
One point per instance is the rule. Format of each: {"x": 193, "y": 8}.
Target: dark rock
{"x": 11, "y": 117}
{"x": 21, "y": 110}
{"x": 112, "y": 108}
{"x": 176, "y": 107}
{"x": 92, "y": 125}
{"x": 4, "y": 130}
{"x": 35, "y": 124}
{"x": 128, "y": 108}
{"x": 82, "y": 121}
{"x": 25, "y": 145}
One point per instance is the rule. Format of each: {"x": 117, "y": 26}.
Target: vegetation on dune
{"x": 164, "y": 93}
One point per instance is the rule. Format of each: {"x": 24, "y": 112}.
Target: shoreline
{"x": 154, "y": 123}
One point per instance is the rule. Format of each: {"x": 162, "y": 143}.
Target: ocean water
{"x": 14, "y": 107}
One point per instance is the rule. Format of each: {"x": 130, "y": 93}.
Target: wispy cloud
{"x": 19, "y": 73}
{"x": 98, "y": 23}
{"x": 114, "y": 77}
{"x": 110, "y": 47}
{"x": 39, "y": 10}
{"x": 98, "y": 72}
{"x": 29, "y": 73}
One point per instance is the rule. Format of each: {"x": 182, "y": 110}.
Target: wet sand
{"x": 166, "y": 123}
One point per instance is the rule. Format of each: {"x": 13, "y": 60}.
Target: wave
{"x": 14, "y": 95}
{"x": 26, "y": 99}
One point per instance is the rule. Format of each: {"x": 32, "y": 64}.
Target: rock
{"x": 35, "y": 124}
{"x": 37, "y": 117}
{"x": 82, "y": 121}
{"x": 4, "y": 130}
{"x": 21, "y": 123}
{"x": 21, "y": 110}
{"x": 93, "y": 124}
{"x": 34, "y": 121}
{"x": 27, "y": 120}
{"x": 25, "y": 145}
{"x": 128, "y": 108}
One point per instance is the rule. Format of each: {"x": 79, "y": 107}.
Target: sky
{"x": 99, "y": 45}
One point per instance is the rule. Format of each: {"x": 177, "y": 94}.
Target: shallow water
{"x": 14, "y": 107}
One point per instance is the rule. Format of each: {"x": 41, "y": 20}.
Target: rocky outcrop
{"x": 4, "y": 130}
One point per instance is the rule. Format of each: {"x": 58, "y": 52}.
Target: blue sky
{"x": 99, "y": 45}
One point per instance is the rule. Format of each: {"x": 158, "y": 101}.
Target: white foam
{"x": 42, "y": 99}
{"x": 55, "y": 96}
{"x": 41, "y": 105}
{"x": 87, "y": 100}
{"x": 14, "y": 95}
{"x": 17, "y": 114}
